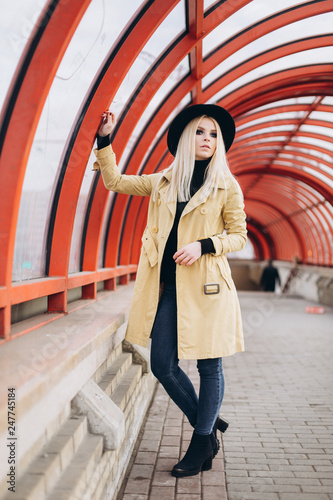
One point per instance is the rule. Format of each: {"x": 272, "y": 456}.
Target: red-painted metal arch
{"x": 140, "y": 30}
{"x": 297, "y": 234}
{"x": 310, "y": 229}
{"x": 60, "y": 252}
{"x": 139, "y": 104}
{"x": 304, "y": 14}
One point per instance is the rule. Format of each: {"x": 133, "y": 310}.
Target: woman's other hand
{"x": 188, "y": 254}
{"x": 108, "y": 123}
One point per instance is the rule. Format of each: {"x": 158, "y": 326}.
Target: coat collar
{"x": 194, "y": 201}
{"x": 221, "y": 184}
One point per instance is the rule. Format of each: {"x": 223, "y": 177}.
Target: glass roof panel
{"x": 314, "y": 56}
{"x": 250, "y": 14}
{"x": 285, "y": 102}
{"x": 317, "y": 129}
{"x": 260, "y": 140}
{"x": 319, "y": 175}
{"x": 313, "y": 162}
{"x": 208, "y": 3}
{"x": 17, "y": 21}
{"x": 277, "y": 128}
{"x": 272, "y": 117}
{"x": 328, "y": 100}
{"x": 322, "y": 156}
{"x": 322, "y": 115}
{"x": 287, "y": 34}
{"x": 313, "y": 140}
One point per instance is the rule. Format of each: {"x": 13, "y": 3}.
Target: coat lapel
{"x": 193, "y": 203}
{"x": 170, "y": 204}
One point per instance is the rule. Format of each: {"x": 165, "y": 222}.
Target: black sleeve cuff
{"x": 102, "y": 142}
{"x": 207, "y": 246}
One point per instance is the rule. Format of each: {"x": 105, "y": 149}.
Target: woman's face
{"x": 205, "y": 139}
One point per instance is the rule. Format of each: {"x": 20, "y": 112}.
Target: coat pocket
{"x": 150, "y": 247}
{"x": 224, "y": 272}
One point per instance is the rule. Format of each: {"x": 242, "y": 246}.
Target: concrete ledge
{"x": 49, "y": 366}
{"x": 103, "y": 415}
{"x": 141, "y": 355}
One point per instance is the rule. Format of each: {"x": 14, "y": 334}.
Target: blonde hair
{"x": 183, "y": 165}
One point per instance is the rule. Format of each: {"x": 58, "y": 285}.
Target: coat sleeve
{"x": 114, "y": 181}
{"x": 234, "y": 222}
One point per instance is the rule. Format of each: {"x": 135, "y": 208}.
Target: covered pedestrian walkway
{"x": 69, "y": 249}
{"x": 278, "y": 401}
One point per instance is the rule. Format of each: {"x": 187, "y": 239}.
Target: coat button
{"x": 154, "y": 230}
{"x": 203, "y": 210}
{"x": 159, "y": 202}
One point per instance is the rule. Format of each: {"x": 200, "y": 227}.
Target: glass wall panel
{"x": 171, "y": 82}
{"x": 74, "y": 262}
{"x": 246, "y": 253}
{"x": 182, "y": 104}
{"x": 98, "y": 30}
{"x": 104, "y": 229}
{"x": 17, "y": 21}
{"x": 171, "y": 27}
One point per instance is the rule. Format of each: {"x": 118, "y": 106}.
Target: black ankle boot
{"x": 222, "y": 425}
{"x": 198, "y": 457}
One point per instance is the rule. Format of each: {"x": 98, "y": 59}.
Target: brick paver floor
{"x": 278, "y": 400}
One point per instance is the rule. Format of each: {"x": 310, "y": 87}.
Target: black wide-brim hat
{"x": 221, "y": 115}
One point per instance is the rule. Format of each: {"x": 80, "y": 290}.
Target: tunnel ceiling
{"x": 268, "y": 63}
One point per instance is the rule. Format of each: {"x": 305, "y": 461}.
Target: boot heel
{"x": 222, "y": 424}
{"x": 207, "y": 465}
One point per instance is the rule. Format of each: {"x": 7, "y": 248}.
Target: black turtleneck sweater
{"x": 168, "y": 268}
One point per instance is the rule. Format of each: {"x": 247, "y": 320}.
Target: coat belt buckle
{"x": 211, "y": 288}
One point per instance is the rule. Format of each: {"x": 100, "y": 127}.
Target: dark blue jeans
{"x": 201, "y": 411}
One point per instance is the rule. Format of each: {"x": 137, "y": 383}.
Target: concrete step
{"x": 122, "y": 394}
{"x": 79, "y": 474}
{"x": 52, "y": 461}
{"x": 113, "y": 375}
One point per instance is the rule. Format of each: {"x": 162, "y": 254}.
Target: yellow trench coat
{"x": 209, "y": 326}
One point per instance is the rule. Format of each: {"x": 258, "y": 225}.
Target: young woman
{"x": 184, "y": 297}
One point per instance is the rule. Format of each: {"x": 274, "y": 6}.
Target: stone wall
{"x": 81, "y": 397}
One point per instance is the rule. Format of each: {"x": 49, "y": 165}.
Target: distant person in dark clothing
{"x": 269, "y": 277}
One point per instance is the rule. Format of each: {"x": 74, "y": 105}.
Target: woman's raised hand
{"x": 108, "y": 123}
